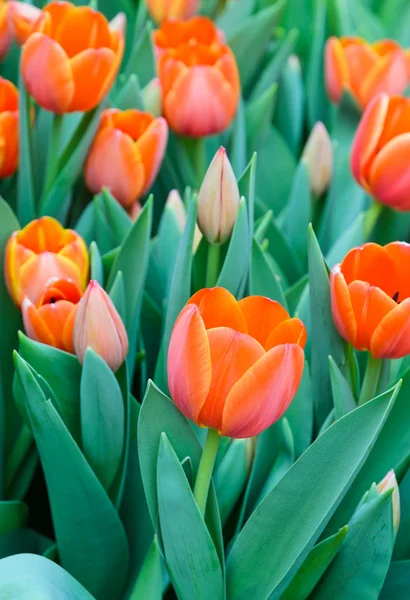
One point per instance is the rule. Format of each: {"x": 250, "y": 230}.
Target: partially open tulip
{"x": 9, "y": 123}
{"x": 380, "y": 151}
{"x": 99, "y": 326}
{"x": 389, "y": 482}
{"x": 5, "y": 33}
{"x": 234, "y": 366}
{"x": 70, "y": 60}
{"x": 171, "y": 9}
{"x": 21, "y": 18}
{"x": 218, "y": 200}
{"x": 126, "y": 154}
{"x": 370, "y": 292}
{"x": 40, "y": 253}
{"x": 51, "y": 319}
{"x": 199, "y": 77}
{"x": 318, "y": 154}
{"x": 364, "y": 70}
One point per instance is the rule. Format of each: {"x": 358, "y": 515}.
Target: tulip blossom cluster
{"x": 46, "y": 268}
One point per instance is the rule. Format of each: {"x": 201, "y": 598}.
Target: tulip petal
{"x": 77, "y": 253}
{"x": 232, "y": 354}
{"x": 15, "y": 256}
{"x": 113, "y": 162}
{"x": 219, "y": 308}
{"x": 21, "y": 18}
{"x": 189, "y": 363}
{"x": 47, "y": 73}
{"x": 336, "y": 70}
{"x": 373, "y": 264}
{"x": 228, "y": 67}
{"x": 360, "y": 58}
{"x": 9, "y": 96}
{"x": 152, "y": 145}
{"x": 390, "y": 174}
{"x": 262, "y": 316}
{"x": 90, "y": 27}
{"x": 264, "y": 392}
{"x": 342, "y": 309}
{"x": 389, "y": 75}
{"x": 42, "y": 235}
{"x": 34, "y": 324}
{"x": 370, "y": 306}
{"x": 68, "y": 331}
{"x": 391, "y": 339}
{"x": 367, "y": 137}
{"x": 9, "y": 134}
{"x": 291, "y": 331}
{"x": 54, "y": 316}
{"x": 400, "y": 253}
{"x": 90, "y": 69}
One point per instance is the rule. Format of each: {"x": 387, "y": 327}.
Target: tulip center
{"x": 396, "y": 297}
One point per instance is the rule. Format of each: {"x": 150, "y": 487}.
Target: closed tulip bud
{"x": 126, "y": 154}
{"x": 174, "y": 202}
{"x": 71, "y": 58}
{"x": 389, "y": 482}
{"x": 171, "y": 9}
{"x": 41, "y": 252}
{"x": 364, "y": 70}
{"x": 199, "y": 77}
{"x": 218, "y": 200}
{"x": 51, "y": 319}
{"x": 318, "y": 154}
{"x": 99, "y": 326}
{"x": 151, "y": 97}
{"x": 5, "y": 33}
{"x": 9, "y": 122}
{"x": 234, "y": 366}
{"x": 21, "y": 18}
{"x": 119, "y": 23}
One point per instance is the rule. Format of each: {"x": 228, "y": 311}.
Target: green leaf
{"x": 27, "y": 576}
{"x": 286, "y": 533}
{"x": 298, "y": 212}
{"x": 26, "y": 201}
{"x": 325, "y": 340}
{"x": 259, "y": 113}
{"x": 249, "y": 41}
{"x": 13, "y": 515}
{"x": 284, "y": 459}
{"x": 96, "y": 267}
{"x": 300, "y": 414}
{"x": 235, "y": 266}
{"x": 120, "y": 222}
{"x": 233, "y": 14}
{"x": 352, "y": 237}
{"x": 117, "y": 294}
{"x": 246, "y": 185}
{"x": 359, "y": 569}
{"x": 102, "y": 418}
{"x": 86, "y": 525}
{"x": 193, "y": 563}
{"x": 263, "y": 280}
{"x": 281, "y": 250}
{"x": 230, "y": 477}
{"x": 316, "y": 563}
{"x": 397, "y": 583}
{"x": 402, "y": 545}
{"x": 149, "y": 582}
{"x": 343, "y": 397}
{"x": 290, "y": 101}
{"x": 142, "y": 59}
{"x": 295, "y": 293}
{"x": 237, "y": 144}
{"x": 21, "y": 541}
{"x": 130, "y": 95}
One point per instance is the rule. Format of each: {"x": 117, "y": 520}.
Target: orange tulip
{"x": 171, "y": 9}
{"x": 99, "y": 326}
{"x": 71, "y": 58}
{"x": 126, "y": 154}
{"x": 363, "y": 69}
{"x": 380, "y": 151}
{"x": 42, "y": 252}
{"x": 234, "y": 366}
{"x": 21, "y": 19}
{"x": 9, "y": 122}
{"x": 370, "y": 292}
{"x": 5, "y": 34}
{"x": 51, "y": 319}
{"x": 198, "y": 75}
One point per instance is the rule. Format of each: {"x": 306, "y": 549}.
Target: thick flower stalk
{"x": 9, "y": 123}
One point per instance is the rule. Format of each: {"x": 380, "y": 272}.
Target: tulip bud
{"x": 152, "y": 97}
{"x": 218, "y": 200}
{"x": 389, "y": 482}
{"x": 99, "y": 326}
{"x": 175, "y": 204}
{"x": 21, "y": 19}
{"x": 119, "y": 23}
{"x": 318, "y": 154}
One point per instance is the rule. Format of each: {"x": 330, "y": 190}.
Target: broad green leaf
{"x": 325, "y": 340}
{"x": 281, "y": 250}
{"x": 235, "y": 266}
{"x": 87, "y": 527}
{"x": 96, "y": 267}
{"x": 117, "y": 294}
{"x": 397, "y": 583}
{"x": 352, "y": 237}
{"x": 284, "y": 531}
{"x": 237, "y": 144}
{"x": 263, "y": 280}
{"x": 149, "y": 582}
{"x": 316, "y": 563}
{"x": 366, "y": 23}
{"x": 258, "y": 115}
{"x": 21, "y": 541}
{"x": 31, "y": 577}
{"x": 102, "y": 418}
{"x": 118, "y": 219}
{"x": 193, "y": 563}
{"x": 246, "y": 185}
{"x": 130, "y": 95}
{"x": 290, "y": 101}
{"x": 402, "y": 545}
{"x": 298, "y": 212}
{"x": 18, "y": 468}
{"x": 300, "y": 414}
{"x": 284, "y": 459}
{"x": 230, "y": 477}
{"x": 233, "y": 14}
{"x": 13, "y": 515}
{"x": 142, "y": 59}
{"x": 343, "y": 397}
{"x": 295, "y": 293}
{"x": 26, "y": 201}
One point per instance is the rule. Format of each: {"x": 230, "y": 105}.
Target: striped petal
{"x": 219, "y": 308}
{"x": 262, "y": 315}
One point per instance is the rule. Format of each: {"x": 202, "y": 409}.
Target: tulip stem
{"x": 206, "y": 467}
{"x": 212, "y": 265}
{"x": 53, "y": 153}
{"x": 371, "y": 379}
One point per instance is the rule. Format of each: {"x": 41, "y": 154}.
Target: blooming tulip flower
{"x": 160, "y": 10}
{"x": 126, "y": 154}
{"x": 5, "y": 33}
{"x": 198, "y": 75}
{"x": 234, "y": 366}
{"x": 21, "y": 19}
{"x": 41, "y": 252}
{"x": 318, "y": 154}
{"x": 99, "y": 326}
{"x": 51, "y": 319}
{"x": 71, "y": 58}
{"x": 218, "y": 200}
{"x": 380, "y": 151}
{"x": 9, "y": 118}
{"x": 370, "y": 292}
{"x": 363, "y": 69}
